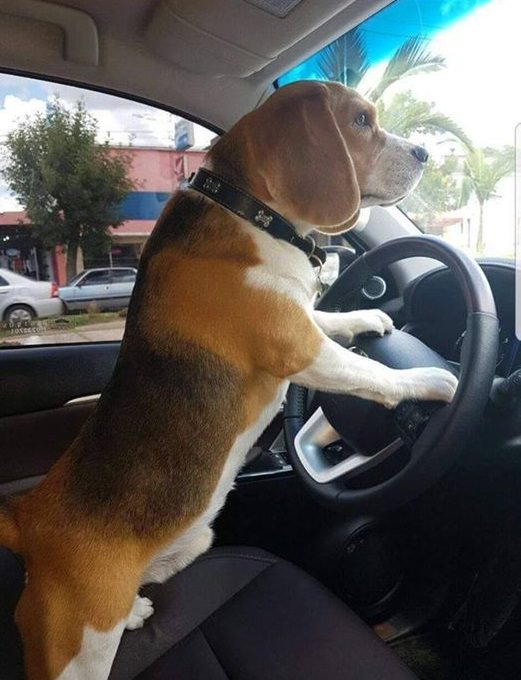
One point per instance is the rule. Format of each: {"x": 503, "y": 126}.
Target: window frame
{"x": 121, "y": 94}
{"x": 91, "y": 273}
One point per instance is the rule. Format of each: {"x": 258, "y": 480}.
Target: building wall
{"x": 157, "y": 174}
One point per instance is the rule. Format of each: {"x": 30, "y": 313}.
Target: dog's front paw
{"x": 426, "y": 384}
{"x": 142, "y": 609}
{"x": 365, "y": 321}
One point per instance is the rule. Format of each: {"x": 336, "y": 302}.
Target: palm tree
{"x": 345, "y": 60}
{"x": 483, "y": 170}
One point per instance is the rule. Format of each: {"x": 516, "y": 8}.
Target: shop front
{"x": 20, "y": 252}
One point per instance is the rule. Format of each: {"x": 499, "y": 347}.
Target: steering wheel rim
{"x": 441, "y": 441}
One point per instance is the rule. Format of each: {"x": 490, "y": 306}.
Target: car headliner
{"x": 211, "y": 60}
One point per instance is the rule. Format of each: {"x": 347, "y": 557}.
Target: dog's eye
{"x": 361, "y": 120}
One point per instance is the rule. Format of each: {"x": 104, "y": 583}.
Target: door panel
{"x": 44, "y": 377}
{"x": 32, "y": 442}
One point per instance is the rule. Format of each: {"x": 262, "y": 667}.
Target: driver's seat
{"x": 236, "y": 613}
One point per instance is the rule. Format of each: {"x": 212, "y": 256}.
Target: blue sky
{"x": 384, "y": 32}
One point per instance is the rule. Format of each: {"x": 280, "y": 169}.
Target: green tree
{"x": 483, "y": 170}
{"x": 70, "y": 185}
{"x": 345, "y": 60}
{"x": 410, "y": 59}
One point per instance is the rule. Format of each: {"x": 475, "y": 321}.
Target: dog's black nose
{"x": 420, "y": 153}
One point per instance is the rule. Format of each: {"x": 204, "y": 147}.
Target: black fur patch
{"x": 143, "y": 458}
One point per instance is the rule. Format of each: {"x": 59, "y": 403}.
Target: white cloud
{"x": 8, "y": 204}
{"x": 124, "y": 121}
{"x": 120, "y": 120}
{"x": 15, "y": 110}
{"x": 478, "y": 87}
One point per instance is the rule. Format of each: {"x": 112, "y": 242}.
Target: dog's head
{"x": 314, "y": 151}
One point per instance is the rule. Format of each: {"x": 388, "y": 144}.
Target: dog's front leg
{"x": 336, "y": 369}
{"x": 350, "y": 324}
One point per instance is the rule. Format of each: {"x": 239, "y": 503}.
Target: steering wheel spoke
{"x": 316, "y": 435}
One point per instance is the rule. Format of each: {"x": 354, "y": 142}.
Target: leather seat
{"x": 236, "y": 613}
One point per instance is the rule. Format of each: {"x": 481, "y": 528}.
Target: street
{"x": 99, "y": 332}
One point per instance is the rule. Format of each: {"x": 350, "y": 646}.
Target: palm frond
{"x": 418, "y": 116}
{"x": 435, "y": 121}
{"x": 465, "y": 191}
{"x": 344, "y": 60}
{"x": 412, "y": 58}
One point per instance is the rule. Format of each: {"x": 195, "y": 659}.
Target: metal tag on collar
{"x": 211, "y": 185}
{"x": 312, "y": 256}
{"x": 316, "y": 261}
{"x": 323, "y": 287}
{"x": 263, "y": 219}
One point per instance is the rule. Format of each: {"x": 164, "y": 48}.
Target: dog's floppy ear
{"x": 304, "y": 159}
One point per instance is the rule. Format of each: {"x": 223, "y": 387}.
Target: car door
{"x": 5, "y": 295}
{"x": 121, "y": 286}
{"x": 94, "y": 287}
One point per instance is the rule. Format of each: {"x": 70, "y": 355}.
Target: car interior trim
{"x": 316, "y": 434}
{"x": 80, "y": 43}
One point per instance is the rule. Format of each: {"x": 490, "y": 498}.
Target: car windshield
{"x": 75, "y": 279}
{"x": 440, "y": 73}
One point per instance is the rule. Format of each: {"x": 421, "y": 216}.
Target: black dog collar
{"x": 256, "y": 212}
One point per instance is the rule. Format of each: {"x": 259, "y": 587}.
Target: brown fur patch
{"x": 79, "y": 574}
{"x": 199, "y": 295}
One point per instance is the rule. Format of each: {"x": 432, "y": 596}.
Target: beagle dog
{"x": 221, "y": 320}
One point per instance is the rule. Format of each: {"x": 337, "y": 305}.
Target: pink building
{"x": 157, "y": 173}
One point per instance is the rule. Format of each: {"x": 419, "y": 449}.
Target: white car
{"x": 22, "y": 299}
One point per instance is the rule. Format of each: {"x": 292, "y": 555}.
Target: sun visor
{"x": 233, "y": 37}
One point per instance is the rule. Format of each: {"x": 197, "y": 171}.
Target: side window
{"x": 139, "y": 156}
{"x": 95, "y": 279}
{"x": 123, "y": 276}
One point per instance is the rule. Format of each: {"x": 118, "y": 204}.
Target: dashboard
{"x": 434, "y": 311}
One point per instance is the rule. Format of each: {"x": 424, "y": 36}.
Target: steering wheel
{"x": 355, "y": 454}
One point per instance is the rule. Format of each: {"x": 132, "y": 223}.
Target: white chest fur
{"x": 284, "y": 269}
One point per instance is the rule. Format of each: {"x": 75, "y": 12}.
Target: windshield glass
{"x": 440, "y": 73}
